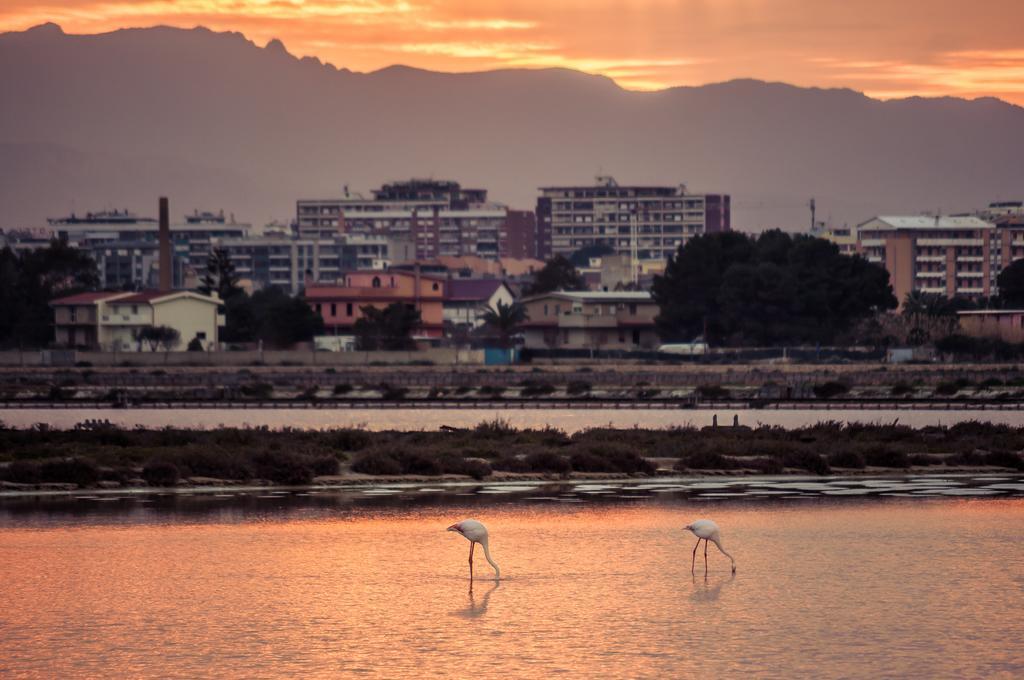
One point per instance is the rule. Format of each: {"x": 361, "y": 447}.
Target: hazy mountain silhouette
{"x": 214, "y": 121}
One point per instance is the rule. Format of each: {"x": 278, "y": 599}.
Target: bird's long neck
{"x": 487, "y": 554}
{"x": 718, "y": 544}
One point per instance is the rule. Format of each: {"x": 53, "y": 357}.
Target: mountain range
{"x": 214, "y": 121}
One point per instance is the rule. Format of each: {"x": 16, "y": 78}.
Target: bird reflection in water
{"x": 706, "y": 589}
{"x": 477, "y": 608}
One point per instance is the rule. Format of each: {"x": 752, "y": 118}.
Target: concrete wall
{"x": 438, "y": 356}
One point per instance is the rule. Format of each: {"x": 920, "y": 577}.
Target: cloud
{"x": 877, "y": 46}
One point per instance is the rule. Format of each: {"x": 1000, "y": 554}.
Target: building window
{"x": 435, "y": 286}
{"x": 334, "y": 309}
{"x": 348, "y": 308}
{"x": 376, "y": 282}
{"x": 73, "y": 315}
{"x": 545, "y": 310}
{"x": 135, "y": 309}
{"x": 201, "y": 335}
{"x": 318, "y": 309}
{"x": 632, "y": 308}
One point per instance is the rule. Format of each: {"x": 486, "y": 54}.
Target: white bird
{"x": 706, "y": 530}
{"x": 475, "y": 532}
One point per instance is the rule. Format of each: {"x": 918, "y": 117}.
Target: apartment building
{"x": 951, "y": 256}
{"x": 658, "y": 218}
{"x": 591, "y": 320}
{"x": 341, "y": 305}
{"x": 125, "y": 246}
{"x": 291, "y": 263}
{"x": 440, "y": 218}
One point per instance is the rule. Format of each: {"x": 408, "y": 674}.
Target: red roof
{"x": 147, "y": 296}
{"x": 86, "y": 298}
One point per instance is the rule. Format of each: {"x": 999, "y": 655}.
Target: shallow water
{"x": 570, "y": 420}
{"x": 286, "y": 586}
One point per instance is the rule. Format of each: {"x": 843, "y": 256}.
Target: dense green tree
{"x": 220, "y": 276}
{"x": 504, "y": 320}
{"x": 1011, "y": 285}
{"x": 271, "y": 316}
{"x": 30, "y": 280}
{"x": 389, "y": 328}
{"x": 687, "y": 293}
{"x": 770, "y": 290}
{"x": 557, "y": 274}
{"x": 581, "y": 257}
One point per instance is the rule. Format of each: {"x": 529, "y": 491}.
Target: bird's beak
{"x": 454, "y": 527}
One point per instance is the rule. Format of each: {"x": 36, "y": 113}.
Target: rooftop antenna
{"x": 812, "y": 206}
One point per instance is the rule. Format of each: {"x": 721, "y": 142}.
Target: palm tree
{"x": 505, "y": 320}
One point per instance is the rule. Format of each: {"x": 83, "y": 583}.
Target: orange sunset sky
{"x": 886, "y": 48}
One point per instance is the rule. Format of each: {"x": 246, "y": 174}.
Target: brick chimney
{"x": 165, "y": 246}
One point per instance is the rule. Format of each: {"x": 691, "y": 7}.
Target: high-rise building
{"x": 645, "y": 222}
{"x": 439, "y": 217}
{"x": 951, "y": 256}
{"x": 127, "y": 250}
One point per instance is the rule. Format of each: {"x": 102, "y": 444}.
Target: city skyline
{"x": 914, "y": 49}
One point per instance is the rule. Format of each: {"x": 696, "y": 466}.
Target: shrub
{"x": 577, "y": 387}
{"x": 283, "y": 467}
{"x": 510, "y": 463}
{"x": 886, "y": 456}
{"x": 414, "y": 463}
{"x": 769, "y": 465}
{"x": 546, "y": 461}
{"x": 846, "y": 458}
{"x": 257, "y": 390}
{"x": 647, "y": 394}
{"x": 217, "y": 464}
{"x": 806, "y": 460}
{"x": 901, "y": 389}
{"x": 376, "y": 463}
{"x": 324, "y": 465}
{"x": 22, "y": 472}
{"x": 532, "y": 388}
{"x": 924, "y": 459}
{"x": 389, "y": 393}
{"x": 611, "y": 459}
{"x": 83, "y": 364}
{"x": 453, "y": 463}
{"x": 494, "y": 429}
{"x": 349, "y": 439}
{"x": 712, "y": 392}
{"x": 80, "y": 471}
{"x": 706, "y": 460}
{"x": 491, "y": 390}
{"x": 1006, "y": 459}
{"x": 830, "y": 389}
{"x": 161, "y": 473}
{"x": 342, "y": 388}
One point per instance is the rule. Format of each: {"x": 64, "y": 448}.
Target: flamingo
{"x": 706, "y": 530}
{"x": 475, "y": 532}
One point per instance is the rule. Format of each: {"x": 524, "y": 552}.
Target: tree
{"x": 157, "y": 337}
{"x": 389, "y": 328}
{"x": 30, "y": 280}
{"x": 770, "y": 290}
{"x": 1011, "y": 285}
{"x": 284, "y": 320}
{"x": 195, "y": 344}
{"x": 557, "y": 274}
{"x": 220, "y": 276}
{"x": 581, "y": 257}
{"x": 687, "y": 294}
{"x": 270, "y": 315}
{"x": 505, "y": 319}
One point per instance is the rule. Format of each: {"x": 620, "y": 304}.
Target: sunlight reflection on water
{"x": 843, "y": 588}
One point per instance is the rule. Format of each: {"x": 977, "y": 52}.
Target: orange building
{"x": 340, "y": 305}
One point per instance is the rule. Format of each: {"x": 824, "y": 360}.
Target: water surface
{"x": 827, "y": 587}
{"x": 570, "y": 420}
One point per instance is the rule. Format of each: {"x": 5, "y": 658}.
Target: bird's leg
{"x": 471, "y": 546}
{"x": 705, "y": 555}
{"x": 693, "y": 558}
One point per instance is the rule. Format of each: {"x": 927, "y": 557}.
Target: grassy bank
{"x": 102, "y": 455}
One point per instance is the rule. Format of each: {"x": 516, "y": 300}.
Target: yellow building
{"x": 111, "y": 321}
